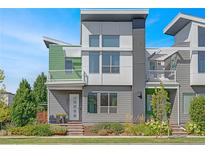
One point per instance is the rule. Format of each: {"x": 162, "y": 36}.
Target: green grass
{"x": 37, "y": 140}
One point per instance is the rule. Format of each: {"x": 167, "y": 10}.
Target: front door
{"x": 74, "y": 107}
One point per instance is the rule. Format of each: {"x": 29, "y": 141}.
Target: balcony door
{"x": 73, "y": 107}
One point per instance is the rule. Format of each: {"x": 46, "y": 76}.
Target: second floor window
{"x": 93, "y": 40}
{"x": 110, "y": 41}
{"x": 201, "y": 61}
{"x": 68, "y": 65}
{"x": 94, "y": 62}
{"x": 110, "y": 62}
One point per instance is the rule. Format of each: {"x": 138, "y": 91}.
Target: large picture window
{"x": 110, "y": 62}
{"x": 94, "y": 62}
{"x": 108, "y": 103}
{"x": 201, "y": 61}
{"x": 94, "y": 40}
{"x": 92, "y": 103}
{"x": 110, "y": 41}
{"x": 187, "y": 98}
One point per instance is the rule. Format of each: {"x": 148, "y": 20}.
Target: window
{"x": 201, "y": 34}
{"x": 68, "y": 65}
{"x": 94, "y": 40}
{"x": 92, "y": 103}
{"x": 201, "y": 61}
{"x": 110, "y": 41}
{"x": 186, "y": 101}
{"x": 110, "y": 62}
{"x": 94, "y": 62}
{"x": 108, "y": 103}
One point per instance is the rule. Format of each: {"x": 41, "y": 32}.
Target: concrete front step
{"x": 178, "y": 130}
{"x": 75, "y": 129}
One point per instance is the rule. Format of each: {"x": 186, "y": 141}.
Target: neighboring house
{"x": 111, "y": 76}
{"x": 8, "y": 97}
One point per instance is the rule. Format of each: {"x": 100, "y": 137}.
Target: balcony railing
{"x": 161, "y": 75}
{"x": 67, "y": 75}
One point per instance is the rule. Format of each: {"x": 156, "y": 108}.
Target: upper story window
{"x": 94, "y": 40}
{"x": 68, "y": 64}
{"x": 110, "y": 41}
{"x": 110, "y": 62}
{"x": 201, "y": 61}
{"x": 94, "y": 62}
{"x": 201, "y": 37}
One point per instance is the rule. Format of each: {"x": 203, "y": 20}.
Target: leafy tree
{"x": 4, "y": 114}
{"x": 40, "y": 91}
{"x": 24, "y": 107}
{"x": 197, "y": 111}
{"x": 161, "y": 106}
{"x": 4, "y": 109}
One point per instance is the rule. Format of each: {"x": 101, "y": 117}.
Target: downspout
{"x": 178, "y": 93}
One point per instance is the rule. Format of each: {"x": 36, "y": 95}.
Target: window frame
{"x": 109, "y": 103}
{"x": 199, "y": 56}
{"x": 118, "y": 45}
{"x": 95, "y": 35}
{"x": 69, "y": 70}
{"x": 91, "y": 52}
{"x": 183, "y": 107}
{"x": 111, "y": 66}
{"x": 96, "y": 103}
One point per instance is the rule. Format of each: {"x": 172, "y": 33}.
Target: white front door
{"x": 74, "y": 106}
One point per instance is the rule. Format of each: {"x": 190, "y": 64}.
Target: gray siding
{"x": 183, "y": 77}
{"x": 124, "y": 105}
{"x": 174, "y": 103}
{"x": 138, "y": 68}
{"x": 59, "y": 103}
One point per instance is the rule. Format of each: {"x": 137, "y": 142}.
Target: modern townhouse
{"x": 111, "y": 76}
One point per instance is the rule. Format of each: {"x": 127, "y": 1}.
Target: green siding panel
{"x": 57, "y": 65}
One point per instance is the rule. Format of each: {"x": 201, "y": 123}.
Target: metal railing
{"x": 161, "y": 75}
{"x": 67, "y": 75}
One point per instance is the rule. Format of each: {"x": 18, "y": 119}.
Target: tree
{"x": 24, "y": 107}
{"x": 40, "y": 91}
{"x": 4, "y": 114}
{"x": 161, "y": 106}
{"x": 4, "y": 109}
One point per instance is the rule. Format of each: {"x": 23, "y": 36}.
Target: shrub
{"x": 193, "y": 128}
{"x": 59, "y": 130}
{"x": 137, "y": 129}
{"x": 115, "y": 128}
{"x": 197, "y": 111}
{"x": 103, "y": 132}
{"x": 158, "y": 128}
{"x": 31, "y": 130}
{"x": 3, "y": 132}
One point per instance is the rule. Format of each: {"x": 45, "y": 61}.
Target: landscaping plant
{"x": 197, "y": 111}
{"x": 24, "y": 107}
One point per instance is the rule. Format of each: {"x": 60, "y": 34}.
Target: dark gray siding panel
{"x": 138, "y": 70}
{"x": 174, "y": 103}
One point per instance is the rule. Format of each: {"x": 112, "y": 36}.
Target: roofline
{"x": 48, "y": 41}
{"x": 144, "y": 11}
{"x": 185, "y": 16}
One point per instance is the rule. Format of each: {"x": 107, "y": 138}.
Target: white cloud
{"x": 152, "y": 20}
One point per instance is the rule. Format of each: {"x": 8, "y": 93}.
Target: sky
{"x": 23, "y": 55}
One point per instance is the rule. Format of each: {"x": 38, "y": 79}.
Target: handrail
{"x": 161, "y": 75}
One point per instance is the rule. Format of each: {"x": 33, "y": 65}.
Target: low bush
{"x": 111, "y": 128}
{"x": 103, "y": 132}
{"x": 193, "y": 128}
{"x": 158, "y": 128}
{"x": 137, "y": 129}
{"x": 31, "y": 130}
{"x": 3, "y": 133}
{"x": 59, "y": 130}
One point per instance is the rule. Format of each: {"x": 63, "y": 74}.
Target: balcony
{"x": 161, "y": 75}
{"x": 68, "y": 76}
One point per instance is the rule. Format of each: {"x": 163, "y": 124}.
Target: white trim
{"x": 178, "y": 99}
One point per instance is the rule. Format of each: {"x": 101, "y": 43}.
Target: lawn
{"x": 37, "y": 140}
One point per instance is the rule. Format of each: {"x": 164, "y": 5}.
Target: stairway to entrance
{"x": 75, "y": 129}
{"x": 178, "y": 130}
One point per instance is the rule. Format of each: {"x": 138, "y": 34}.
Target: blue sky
{"x": 23, "y": 53}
